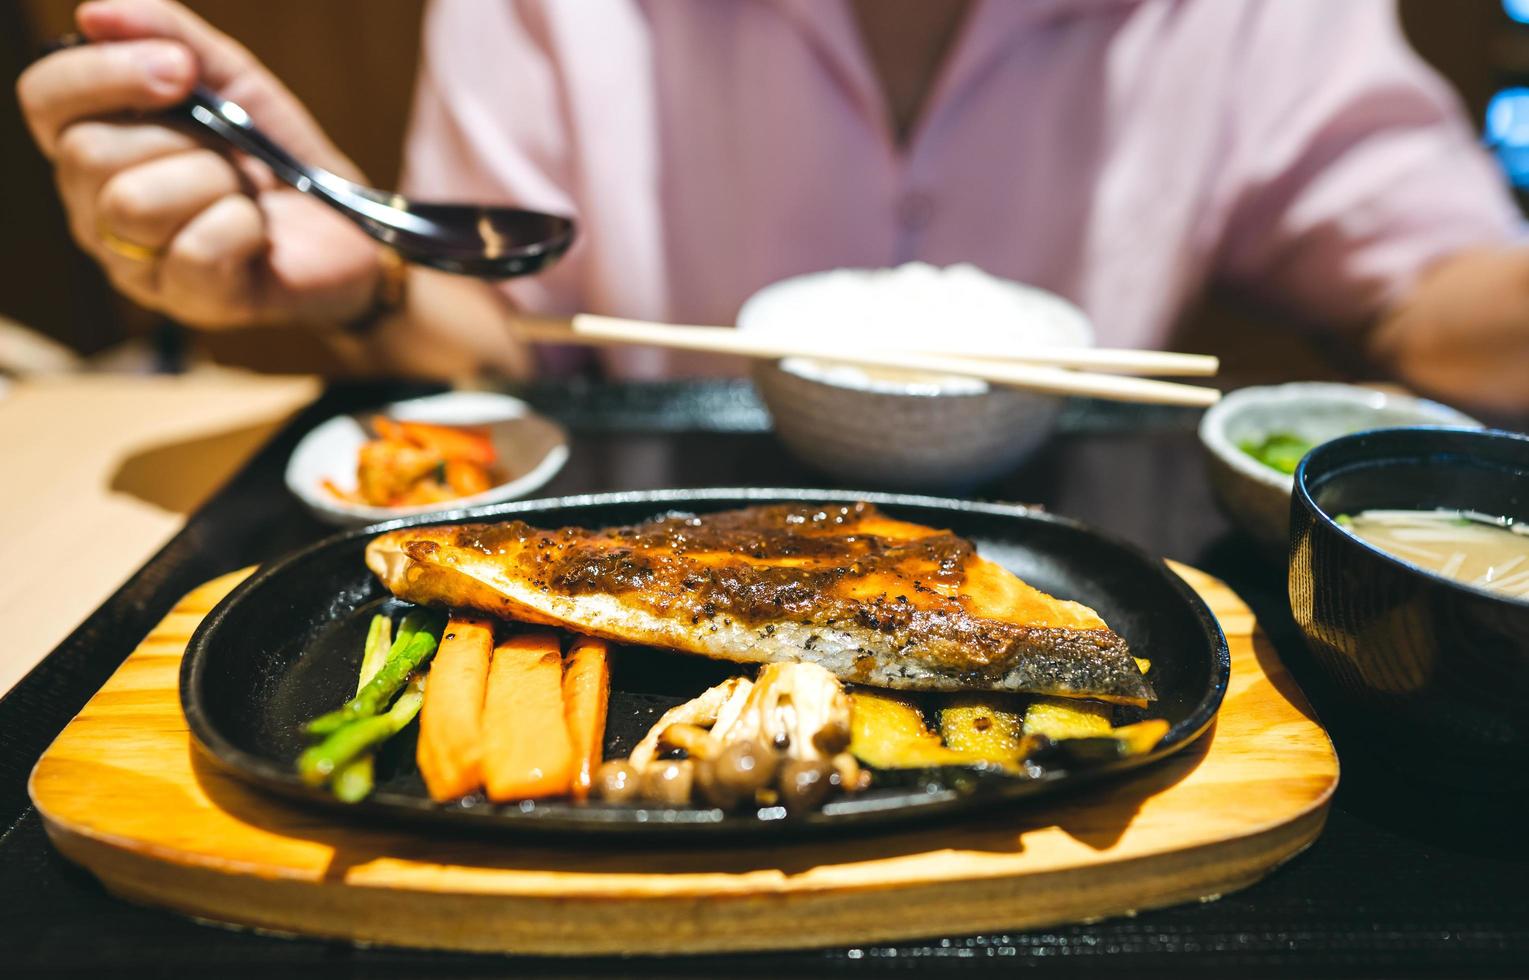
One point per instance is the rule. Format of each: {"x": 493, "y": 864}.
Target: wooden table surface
{"x": 101, "y": 470}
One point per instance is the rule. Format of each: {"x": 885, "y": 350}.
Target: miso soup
{"x": 1477, "y": 549}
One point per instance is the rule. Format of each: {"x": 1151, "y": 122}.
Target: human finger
{"x": 150, "y": 202}
{"x": 221, "y": 58}
{"x": 207, "y": 274}
{"x": 100, "y": 80}
{"x": 91, "y": 152}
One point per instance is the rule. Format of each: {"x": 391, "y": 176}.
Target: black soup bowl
{"x": 1437, "y": 670}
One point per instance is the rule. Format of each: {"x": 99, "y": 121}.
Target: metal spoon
{"x": 468, "y": 239}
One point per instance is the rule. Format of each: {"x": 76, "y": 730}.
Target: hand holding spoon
{"x": 467, "y": 239}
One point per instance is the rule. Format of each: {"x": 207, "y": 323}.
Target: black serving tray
{"x": 1405, "y": 881}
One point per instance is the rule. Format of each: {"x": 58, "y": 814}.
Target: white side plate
{"x": 531, "y": 451}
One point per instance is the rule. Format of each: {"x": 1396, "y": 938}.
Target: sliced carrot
{"x": 466, "y": 478}
{"x": 425, "y": 491}
{"x": 526, "y": 750}
{"x": 351, "y": 498}
{"x": 387, "y": 470}
{"x": 388, "y": 430}
{"x": 471, "y": 444}
{"x": 586, "y": 695}
{"x": 450, "y": 749}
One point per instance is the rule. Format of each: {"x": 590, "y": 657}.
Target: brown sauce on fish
{"x": 758, "y": 565}
{"x": 845, "y": 566}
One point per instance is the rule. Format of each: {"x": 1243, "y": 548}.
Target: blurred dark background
{"x": 353, "y": 63}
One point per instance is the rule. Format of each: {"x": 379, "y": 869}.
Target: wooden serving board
{"x": 123, "y": 793}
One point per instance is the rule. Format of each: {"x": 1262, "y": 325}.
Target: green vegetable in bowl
{"x": 1279, "y": 450}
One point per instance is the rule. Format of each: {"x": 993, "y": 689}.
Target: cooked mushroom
{"x": 695, "y": 741}
{"x": 794, "y": 707}
{"x": 703, "y": 710}
{"x": 745, "y": 767}
{"x": 833, "y": 737}
{"x": 668, "y": 782}
{"x": 617, "y": 782}
{"x": 737, "y": 735}
{"x": 805, "y": 783}
{"x": 851, "y": 777}
{"x": 711, "y": 792}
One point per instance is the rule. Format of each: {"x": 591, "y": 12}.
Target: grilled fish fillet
{"x": 874, "y": 600}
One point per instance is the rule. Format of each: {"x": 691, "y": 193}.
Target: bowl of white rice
{"x": 902, "y": 430}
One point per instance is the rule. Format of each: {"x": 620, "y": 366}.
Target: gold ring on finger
{"x": 129, "y": 250}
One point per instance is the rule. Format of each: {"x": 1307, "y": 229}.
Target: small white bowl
{"x": 891, "y": 430}
{"x": 531, "y": 450}
{"x": 1256, "y": 496}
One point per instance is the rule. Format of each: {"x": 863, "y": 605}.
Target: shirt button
{"x": 915, "y": 210}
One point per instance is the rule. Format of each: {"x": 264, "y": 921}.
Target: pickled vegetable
{"x": 1280, "y": 451}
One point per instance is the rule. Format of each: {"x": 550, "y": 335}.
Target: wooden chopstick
{"x": 588, "y": 328}
{"x": 1105, "y": 360}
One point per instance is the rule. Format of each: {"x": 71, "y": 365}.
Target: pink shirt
{"x": 1119, "y": 152}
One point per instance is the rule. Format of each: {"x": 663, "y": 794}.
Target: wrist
{"x": 389, "y": 295}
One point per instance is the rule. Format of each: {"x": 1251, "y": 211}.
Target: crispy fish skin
{"x": 874, "y": 600}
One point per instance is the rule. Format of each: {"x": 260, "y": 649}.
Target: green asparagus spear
{"x": 379, "y": 643}
{"x": 319, "y": 762}
{"x": 380, "y": 689}
{"x": 413, "y": 621}
{"x": 353, "y": 781}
